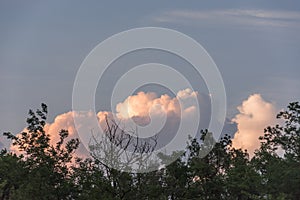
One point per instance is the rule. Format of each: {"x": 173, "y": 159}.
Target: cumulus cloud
{"x": 254, "y": 115}
{"x": 64, "y": 121}
{"x": 147, "y": 113}
{"x": 152, "y": 115}
{"x": 145, "y": 104}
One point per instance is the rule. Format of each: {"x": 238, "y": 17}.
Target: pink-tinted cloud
{"x": 137, "y": 111}
{"x": 63, "y": 121}
{"x": 144, "y": 104}
{"x": 254, "y": 115}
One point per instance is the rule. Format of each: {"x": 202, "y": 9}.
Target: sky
{"x": 255, "y": 44}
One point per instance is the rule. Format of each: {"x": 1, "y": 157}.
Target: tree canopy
{"x": 45, "y": 171}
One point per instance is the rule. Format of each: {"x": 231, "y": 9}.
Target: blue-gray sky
{"x": 255, "y": 44}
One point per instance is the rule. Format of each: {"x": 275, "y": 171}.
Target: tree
{"x": 12, "y": 173}
{"x": 207, "y": 169}
{"x": 281, "y": 173}
{"x": 242, "y": 180}
{"x": 174, "y": 177}
{"x": 46, "y": 165}
{"x": 116, "y": 151}
{"x": 198, "y": 173}
{"x": 90, "y": 182}
{"x": 286, "y": 137}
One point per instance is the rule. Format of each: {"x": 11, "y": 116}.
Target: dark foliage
{"x": 208, "y": 169}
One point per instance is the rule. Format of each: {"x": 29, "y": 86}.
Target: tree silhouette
{"x": 207, "y": 169}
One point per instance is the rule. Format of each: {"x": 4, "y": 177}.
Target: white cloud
{"x": 255, "y": 114}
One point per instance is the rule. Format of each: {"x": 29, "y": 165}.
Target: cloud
{"x": 146, "y": 113}
{"x": 255, "y": 114}
{"x": 245, "y": 17}
{"x": 152, "y": 115}
{"x": 143, "y": 104}
{"x": 63, "y": 121}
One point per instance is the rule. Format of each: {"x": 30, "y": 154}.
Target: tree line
{"x": 47, "y": 171}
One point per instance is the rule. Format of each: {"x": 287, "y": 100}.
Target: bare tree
{"x": 122, "y": 150}
{"x": 121, "y": 155}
